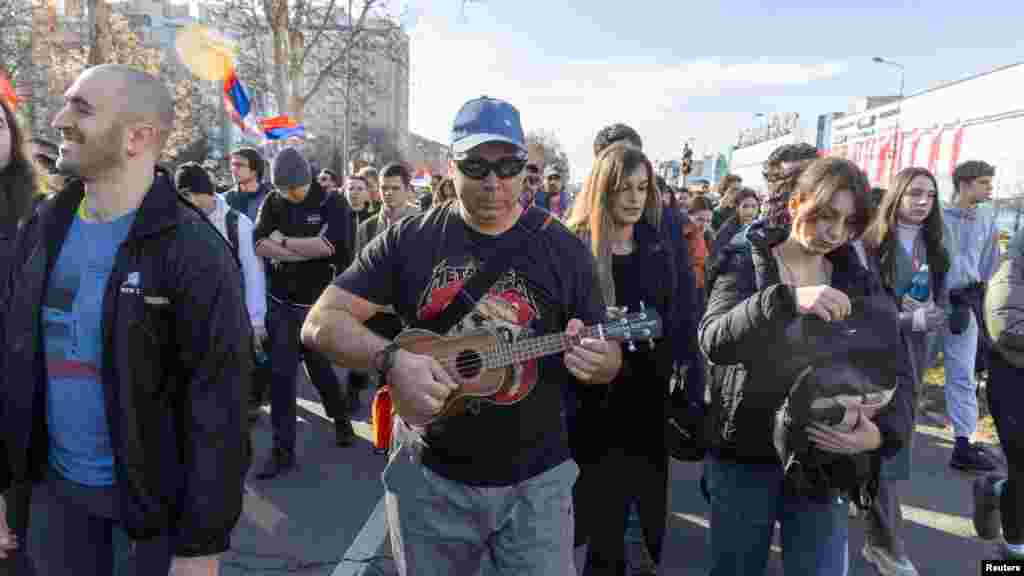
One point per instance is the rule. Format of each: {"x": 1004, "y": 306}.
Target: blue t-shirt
{"x": 420, "y": 264}
{"x": 76, "y": 416}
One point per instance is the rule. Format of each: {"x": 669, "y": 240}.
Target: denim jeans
{"x": 747, "y": 500}
{"x": 75, "y": 530}
{"x": 442, "y": 527}
{"x": 959, "y": 353}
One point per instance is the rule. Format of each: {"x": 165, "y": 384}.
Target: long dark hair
{"x": 881, "y": 237}
{"x": 18, "y": 178}
{"x": 590, "y": 216}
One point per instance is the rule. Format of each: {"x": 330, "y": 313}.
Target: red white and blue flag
{"x": 281, "y": 128}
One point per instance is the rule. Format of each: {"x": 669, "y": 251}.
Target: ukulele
{"x": 482, "y": 364}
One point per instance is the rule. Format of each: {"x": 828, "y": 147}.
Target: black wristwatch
{"x": 384, "y": 361}
{"x": 284, "y": 242}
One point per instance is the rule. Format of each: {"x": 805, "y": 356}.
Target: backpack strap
{"x": 534, "y": 220}
{"x": 231, "y": 223}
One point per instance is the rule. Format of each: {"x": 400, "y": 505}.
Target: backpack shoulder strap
{"x": 231, "y": 223}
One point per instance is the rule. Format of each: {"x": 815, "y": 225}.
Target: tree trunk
{"x": 99, "y": 30}
{"x": 278, "y": 20}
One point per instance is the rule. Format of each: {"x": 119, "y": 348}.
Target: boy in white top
{"x": 194, "y": 182}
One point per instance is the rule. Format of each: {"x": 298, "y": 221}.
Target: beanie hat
{"x": 193, "y": 178}
{"x": 290, "y": 170}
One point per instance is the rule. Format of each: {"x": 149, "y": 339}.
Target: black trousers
{"x": 1006, "y": 403}
{"x": 606, "y": 486}
{"x": 286, "y": 352}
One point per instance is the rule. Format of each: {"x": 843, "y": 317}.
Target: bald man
{"x": 129, "y": 330}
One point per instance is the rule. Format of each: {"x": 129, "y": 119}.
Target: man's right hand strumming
{"x": 420, "y": 387}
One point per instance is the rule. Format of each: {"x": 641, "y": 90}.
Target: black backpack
{"x": 853, "y": 358}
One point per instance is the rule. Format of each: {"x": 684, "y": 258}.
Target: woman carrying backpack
{"x": 779, "y": 279}
{"x": 905, "y": 241}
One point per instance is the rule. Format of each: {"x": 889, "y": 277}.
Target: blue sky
{"x": 676, "y": 69}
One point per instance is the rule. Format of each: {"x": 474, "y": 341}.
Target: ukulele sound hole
{"x": 468, "y": 364}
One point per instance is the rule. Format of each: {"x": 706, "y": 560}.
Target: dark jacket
{"x": 371, "y": 227}
{"x": 747, "y": 312}
{"x": 176, "y": 363}
{"x": 685, "y": 314}
{"x": 248, "y": 203}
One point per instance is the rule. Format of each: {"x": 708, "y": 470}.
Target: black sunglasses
{"x": 477, "y": 168}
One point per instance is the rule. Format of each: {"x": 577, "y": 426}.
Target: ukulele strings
{"x": 478, "y": 359}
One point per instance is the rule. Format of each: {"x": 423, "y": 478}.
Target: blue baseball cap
{"x": 486, "y": 120}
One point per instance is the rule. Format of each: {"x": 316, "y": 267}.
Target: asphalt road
{"x": 308, "y": 521}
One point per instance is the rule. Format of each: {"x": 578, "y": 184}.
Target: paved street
{"x": 306, "y": 522}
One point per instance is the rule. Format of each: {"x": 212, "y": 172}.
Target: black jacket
{"x": 741, "y": 333}
{"x": 176, "y": 361}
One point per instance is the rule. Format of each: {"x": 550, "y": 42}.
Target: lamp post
{"x": 896, "y": 149}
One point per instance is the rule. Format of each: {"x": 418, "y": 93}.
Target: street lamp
{"x": 880, "y": 60}
{"x": 899, "y": 136}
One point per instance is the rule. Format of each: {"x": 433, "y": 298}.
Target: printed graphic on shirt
{"x": 71, "y": 301}
{"x": 507, "y": 311}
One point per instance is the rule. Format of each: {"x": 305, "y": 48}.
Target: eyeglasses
{"x": 477, "y": 168}
{"x": 554, "y": 177}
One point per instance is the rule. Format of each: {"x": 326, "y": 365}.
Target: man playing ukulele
{"x": 493, "y": 481}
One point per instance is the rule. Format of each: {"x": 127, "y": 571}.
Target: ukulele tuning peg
{"x": 632, "y": 346}
{"x": 650, "y": 344}
{"x": 643, "y": 309}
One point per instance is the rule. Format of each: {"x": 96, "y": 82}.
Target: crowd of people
{"x": 148, "y": 317}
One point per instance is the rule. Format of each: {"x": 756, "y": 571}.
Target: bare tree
{"x": 63, "y": 50}
{"x": 15, "y": 38}
{"x": 549, "y": 147}
{"x": 294, "y": 49}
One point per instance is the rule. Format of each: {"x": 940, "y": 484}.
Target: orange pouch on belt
{"x": 382, "y": 418}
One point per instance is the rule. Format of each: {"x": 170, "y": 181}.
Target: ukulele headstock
{"x": 629, "y": 327}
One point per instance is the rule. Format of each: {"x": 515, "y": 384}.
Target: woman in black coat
{"x": 761, "y": 286}
{"x": 17, "y": 189}
{"x": 618, "y": 434}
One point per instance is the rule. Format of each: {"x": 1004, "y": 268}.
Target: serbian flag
{"x": 7, "y": 91}
{"x": 235, "y": 99}
{"x": 281, "y": 128}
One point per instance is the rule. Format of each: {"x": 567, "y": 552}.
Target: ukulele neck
{"x": 504, "y": 355}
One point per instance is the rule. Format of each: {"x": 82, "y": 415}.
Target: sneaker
{"x": 971, "y": 458}
{"x": 344, "y": 435}
{"x": 987, "y": 523}
{"x": 887, "y": 563}
{"x": 1007, "y": 553}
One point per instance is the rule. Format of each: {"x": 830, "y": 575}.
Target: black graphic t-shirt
{"x": 317, "y": 215}
{"x": 419, "y": 265}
